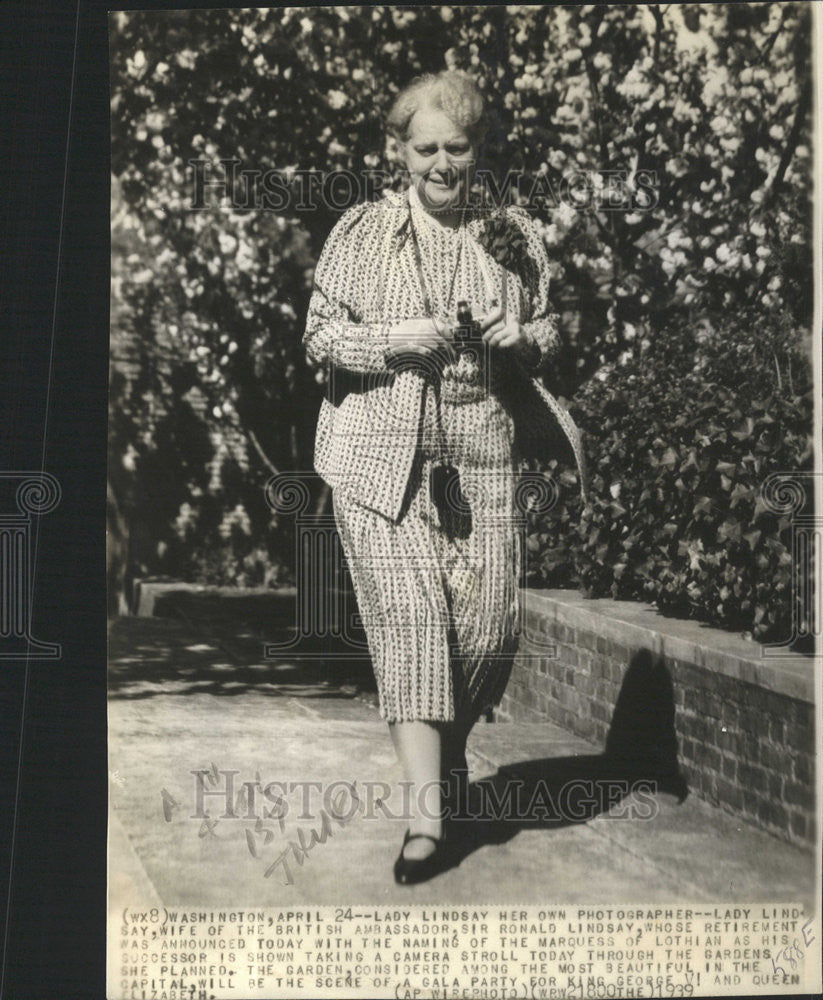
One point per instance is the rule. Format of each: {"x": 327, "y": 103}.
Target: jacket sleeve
{"x": 339, "y": 330}
{"x": 540, "y": 322}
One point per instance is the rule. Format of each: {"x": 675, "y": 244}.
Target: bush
{"x": 680, "y": 444}
{"x": 700, "y": 112}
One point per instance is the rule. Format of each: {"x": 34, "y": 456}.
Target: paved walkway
{"x": 198, "y": 695}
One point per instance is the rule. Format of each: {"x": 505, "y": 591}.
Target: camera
{"x": 467, "y": 331}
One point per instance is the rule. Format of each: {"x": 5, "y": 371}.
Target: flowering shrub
{"x": 665, "y": 151}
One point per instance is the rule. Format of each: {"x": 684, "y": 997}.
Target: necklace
{"x": 421, "y": 274}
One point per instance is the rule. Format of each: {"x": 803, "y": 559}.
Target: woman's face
{"x": 440, "y": 159}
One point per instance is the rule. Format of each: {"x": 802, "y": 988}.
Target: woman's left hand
{"x": 503, "y": 332}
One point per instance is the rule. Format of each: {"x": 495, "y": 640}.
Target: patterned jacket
{"x": 364, "y": 283}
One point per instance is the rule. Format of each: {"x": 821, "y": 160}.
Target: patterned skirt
{"x": 438, "y": 591}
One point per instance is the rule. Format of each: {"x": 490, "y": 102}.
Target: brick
{"x": 751, "y": 801}
{"x": 702, "y": 702}
{"x": 751, "y": 777}
{"x": 689, "y": 773}
{"x": 548, "y": 627}
{"x": 774, "y": 782}
{"x": 534, "y": 622}
{"x": 773, "y": 814}
{"x": 689, "y": 676}
{"x": 729, "y": 741}
{"x": 554, "y": 668}
{"x": 601, "y": 645}
{"x": 572, "y": 633}
{"x": 799, "y": 713}
{"x": 586, "y": 727}
{"x": 775, "y": 758}
{"x": 712, "y": 683}
{"x": 798, "y": 795}
{"x": 751, "y": 720}
{"x": 687, "y": 749}
{"x": 568, "y": 655}
{"x": 714, "y": 708}
{"x": 777, "y": 731}
{"x": 800, "y": 736}
{"x": 540, "y": 682}
{"x": 729, "y": 794}
{"x": 708, "y": 756}
{"x": 699, "y": 728}
{"x": 586, "y": 640}
{"x": 730, "y": 716}
{"x": 599, "y": 711}
{"x": 761, "y": 702}
{"x": 708, "y": 786}
{"x": 522, "y": 695}
{"x": 584, "y": 684}
{"x": 750, "y": 747}
{"x": 613, "y": 674}
{"x": 798, "y": 825}
{"x": 683, "y": 723}
{"x": 803, "y": 769}
{"x": 621, "y": 654}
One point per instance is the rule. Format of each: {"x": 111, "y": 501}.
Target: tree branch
{"x": 263, "y": 456}
{"x": 803, "y": 105}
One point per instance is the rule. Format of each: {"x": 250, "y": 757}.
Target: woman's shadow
{"x": 639, "y": 762}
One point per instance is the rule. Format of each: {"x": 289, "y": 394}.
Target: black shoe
{"x": 408, "y": 871}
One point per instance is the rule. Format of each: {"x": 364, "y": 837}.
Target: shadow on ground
{"x": 640, "y": 761}
{"x": 555, "y": 792}
{"x": 225, "y": 645}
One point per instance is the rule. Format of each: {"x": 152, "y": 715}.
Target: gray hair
{"x": 451, "y": 91}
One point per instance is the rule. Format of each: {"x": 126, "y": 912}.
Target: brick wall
{"x": 691, "y": 702}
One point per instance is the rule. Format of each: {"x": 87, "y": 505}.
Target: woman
{"x": 418, "y": 436}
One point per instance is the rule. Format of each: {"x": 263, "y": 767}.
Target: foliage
{"x": 695, "y": 117}
{"x": 679, "y": 453}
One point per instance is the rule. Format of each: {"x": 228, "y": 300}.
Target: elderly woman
{"x": 418, "y": 436}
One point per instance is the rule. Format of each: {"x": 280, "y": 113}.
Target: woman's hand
{"x": 418, "y": 336}
{"x": 502, "y": 332}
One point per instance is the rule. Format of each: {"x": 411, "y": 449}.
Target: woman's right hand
{"x": 418, "y": 336}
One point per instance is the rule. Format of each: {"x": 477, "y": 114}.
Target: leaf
{"x": 729, "y": 531}
{"x": 741, "y": 492}
{"x": 752, "y": 538}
